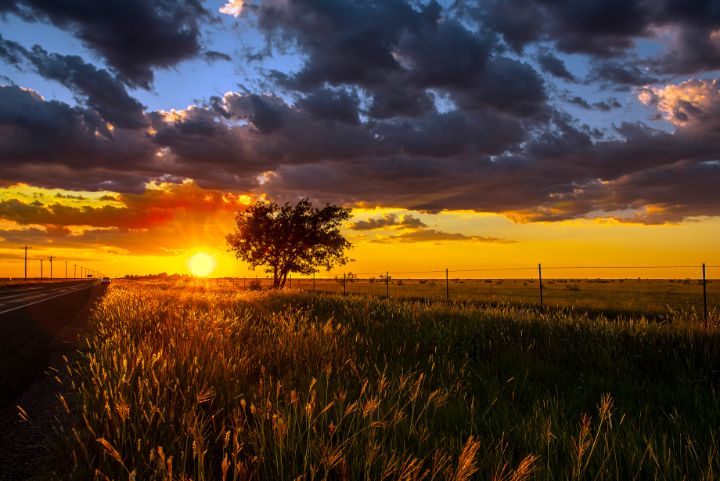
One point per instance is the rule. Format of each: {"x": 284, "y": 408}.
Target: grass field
{"x": 621, "y": 296}
{"x": 201, "y": 383}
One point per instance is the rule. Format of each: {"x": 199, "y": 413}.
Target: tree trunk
{"x": 276, "y": 278}
{"x": 283, "y": 279}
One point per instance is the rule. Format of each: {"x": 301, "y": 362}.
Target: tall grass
{"x": 179, "y": 383}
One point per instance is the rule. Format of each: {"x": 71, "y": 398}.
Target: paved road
{"x": 38, "y": 325}
{"x": 37, "y": 322}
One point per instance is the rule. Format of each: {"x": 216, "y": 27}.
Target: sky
{"x": 463, "y": 134}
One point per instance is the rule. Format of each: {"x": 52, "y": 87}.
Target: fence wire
{"x": 618, "y": 291}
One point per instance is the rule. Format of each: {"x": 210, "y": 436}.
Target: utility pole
{"x": 51, "y": 259}
{"x": 26, "y": 249}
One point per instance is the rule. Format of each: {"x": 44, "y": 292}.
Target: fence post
{"x": 705, "y": 315}
{"x": 447, "y": 284}
{"x": 541, "y": 286}
{"x": 387, "y": 285}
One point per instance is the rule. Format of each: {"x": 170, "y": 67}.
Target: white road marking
{"x": 47, "y": 299}
{"x": 28, "y": 295}
{"x": 11, "y": 295}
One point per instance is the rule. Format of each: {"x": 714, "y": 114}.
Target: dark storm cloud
{"x": 508, "y": 85}
{"x": 450, "y": 134}
{"x": 554, "y": 66}
{"x": 666, "y": 194}
{"x": 607, "y": 105}
{"x": 389, "y": 46}
{"x": 550, "y": 178}
{"x": 444, "y": 55}
{"x": 11, "y": 52}
{"x": 618, "y": 74}
{"x": 608, "y": 28}
{"x": 389, "y": 221}
{"x": 37, "y": 131}
{"x": 101, "y": 91}
{"x": 400, "y": 101}
{"x": 599, "y": 27}
{"x": 49, "y": 143}
{"x": 134, "y": 36}
{"x": 346, "y": 42}
{"x": 248, "y": 134}
{"x": 693, "y": 188}
{"x": 213, "y": 56}
{"x": 339, "y": 105}
{"x": 603, "y": 105}
{"x": 579, "y": 101}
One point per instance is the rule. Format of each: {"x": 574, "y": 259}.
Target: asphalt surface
{"x": 39, "y": 325}
{"x": 36, "y": 322}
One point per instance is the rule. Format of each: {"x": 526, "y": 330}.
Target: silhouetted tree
{"x": 288, "y": 238}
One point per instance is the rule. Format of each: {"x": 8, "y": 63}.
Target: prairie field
{"x": 612, "y": 296}
{"x": 205, "y": 382}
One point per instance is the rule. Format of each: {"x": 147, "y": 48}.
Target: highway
{"x": 39, "y": 322}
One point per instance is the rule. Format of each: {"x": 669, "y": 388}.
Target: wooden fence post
{"x": 541, "y": 285}
{"x": 447, "y": 284}
{"x": 705, "y": 313}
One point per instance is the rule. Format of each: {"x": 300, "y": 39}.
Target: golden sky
{"x": 161, "y": 228}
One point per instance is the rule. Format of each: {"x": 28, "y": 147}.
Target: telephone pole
{"x": 26, "y": 249}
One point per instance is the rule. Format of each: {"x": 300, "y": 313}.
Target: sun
{"x": 201, "y": 264}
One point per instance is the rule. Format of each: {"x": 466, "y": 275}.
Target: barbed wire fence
{"x": 652, "y": 289}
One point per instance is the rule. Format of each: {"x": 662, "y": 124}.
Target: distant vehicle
{"x": 105, "y": 280}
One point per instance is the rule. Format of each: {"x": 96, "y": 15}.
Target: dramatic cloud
{"x": 134, "y": 36}
{"x": 102, "y": 91}
{"x": 693, "y": 103}
{"x": 432, "y": 235}
{"x": 416, "y": 105}
{"x": 155, "y": 206}
{"x": 47, "y": 142}
{"x": 383, "y": 45}
{"x": 554, "y": 66}
{"x": 389, "y": 221}
{"x": 619, "y": 74}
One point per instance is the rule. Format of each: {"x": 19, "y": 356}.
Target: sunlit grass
{"x": 199, "y": 383}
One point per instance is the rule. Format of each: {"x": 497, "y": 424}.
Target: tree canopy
{"x": 287, "y": 238}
